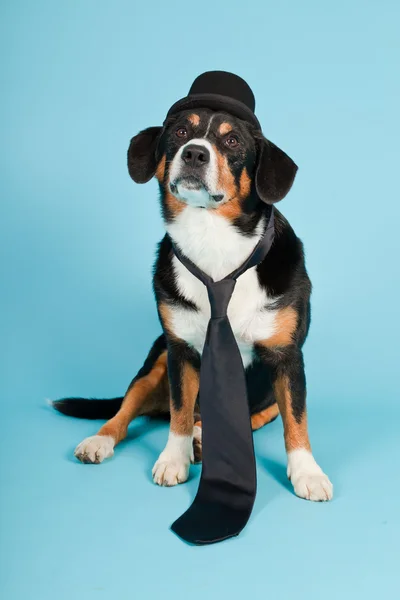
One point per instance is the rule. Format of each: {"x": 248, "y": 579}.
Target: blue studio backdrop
{"x": 78, "y": 239}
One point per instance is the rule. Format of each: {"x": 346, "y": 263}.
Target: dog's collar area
{"x": 258, "y": 254}
{"x": 268, "y": 216}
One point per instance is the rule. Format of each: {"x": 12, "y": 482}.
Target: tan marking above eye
{"x": 224, "y": 128}
{"x": 194, "y": 119}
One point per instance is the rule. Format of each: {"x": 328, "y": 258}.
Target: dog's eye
{"x": 181, "y": 132}
{"x": 232, "y": 141}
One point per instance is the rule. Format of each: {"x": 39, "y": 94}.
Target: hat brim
{"x": 216, "y": 102}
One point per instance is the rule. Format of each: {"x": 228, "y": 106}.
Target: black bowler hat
{"x": 220, "y": 90}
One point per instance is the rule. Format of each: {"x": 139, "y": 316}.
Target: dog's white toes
{"x": 314, "y": 487}
{"x": 173, "y": 464}
{"x": 95, "y": 449}
{"x": 308, "y": 479}
{"x": 169, "y": 472}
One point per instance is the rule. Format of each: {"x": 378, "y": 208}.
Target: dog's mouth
{"x": 194, "y": 191}
{"x": 189, "y": 182}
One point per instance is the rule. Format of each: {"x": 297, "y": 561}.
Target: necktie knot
{"x": 219, "y": 294}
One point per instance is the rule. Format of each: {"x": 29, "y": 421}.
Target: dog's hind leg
{"x": 264, "y": 417}
{"x": 148, "y": 394}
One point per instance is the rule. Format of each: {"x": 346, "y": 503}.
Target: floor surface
{"x": 75, "y": 532}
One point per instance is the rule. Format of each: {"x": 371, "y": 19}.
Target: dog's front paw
{"x": 169, "y": 471}
{"x": 313, "y": 487}
{"x": 308, "y": 479}
{"x": 95, "y": 449}
{"x": 174, "y": 461}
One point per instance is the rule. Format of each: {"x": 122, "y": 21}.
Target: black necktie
{"x": 227, "y": 488}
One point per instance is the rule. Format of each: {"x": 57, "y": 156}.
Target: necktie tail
{"x": 227, "y": 488}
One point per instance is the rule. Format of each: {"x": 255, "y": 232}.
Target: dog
{"x": 218, "y": 178}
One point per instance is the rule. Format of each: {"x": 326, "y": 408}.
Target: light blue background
{"x": 79, "y": 78}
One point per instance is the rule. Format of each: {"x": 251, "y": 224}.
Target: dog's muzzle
{"x": 193, "y": 175}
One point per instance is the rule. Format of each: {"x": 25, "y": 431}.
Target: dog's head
{"x": 210, "y": 160}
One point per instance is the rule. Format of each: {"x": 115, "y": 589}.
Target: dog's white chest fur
{"x": 217, "y": 248}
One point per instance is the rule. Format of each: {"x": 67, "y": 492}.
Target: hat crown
{"x": 220, "y": 91}
{"x": 224, "y": 83}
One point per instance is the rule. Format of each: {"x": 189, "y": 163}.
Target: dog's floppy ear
{"x": 142, "y": 154}
{"x": 275, "y": 172}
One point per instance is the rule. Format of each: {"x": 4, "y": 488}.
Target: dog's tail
{"x": 87, "y": 408}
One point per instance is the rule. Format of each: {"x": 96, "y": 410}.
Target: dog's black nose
{"x": 196, "y": 156}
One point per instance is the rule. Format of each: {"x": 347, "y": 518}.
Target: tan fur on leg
{"x": 135, "y": 400}
{"x": 263, "y": 417}
{"x": 147, "y": 395}
{"x": 296, "y": 433}
{"x": 172, "y": 466}
{"x": 308, "y": 479}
